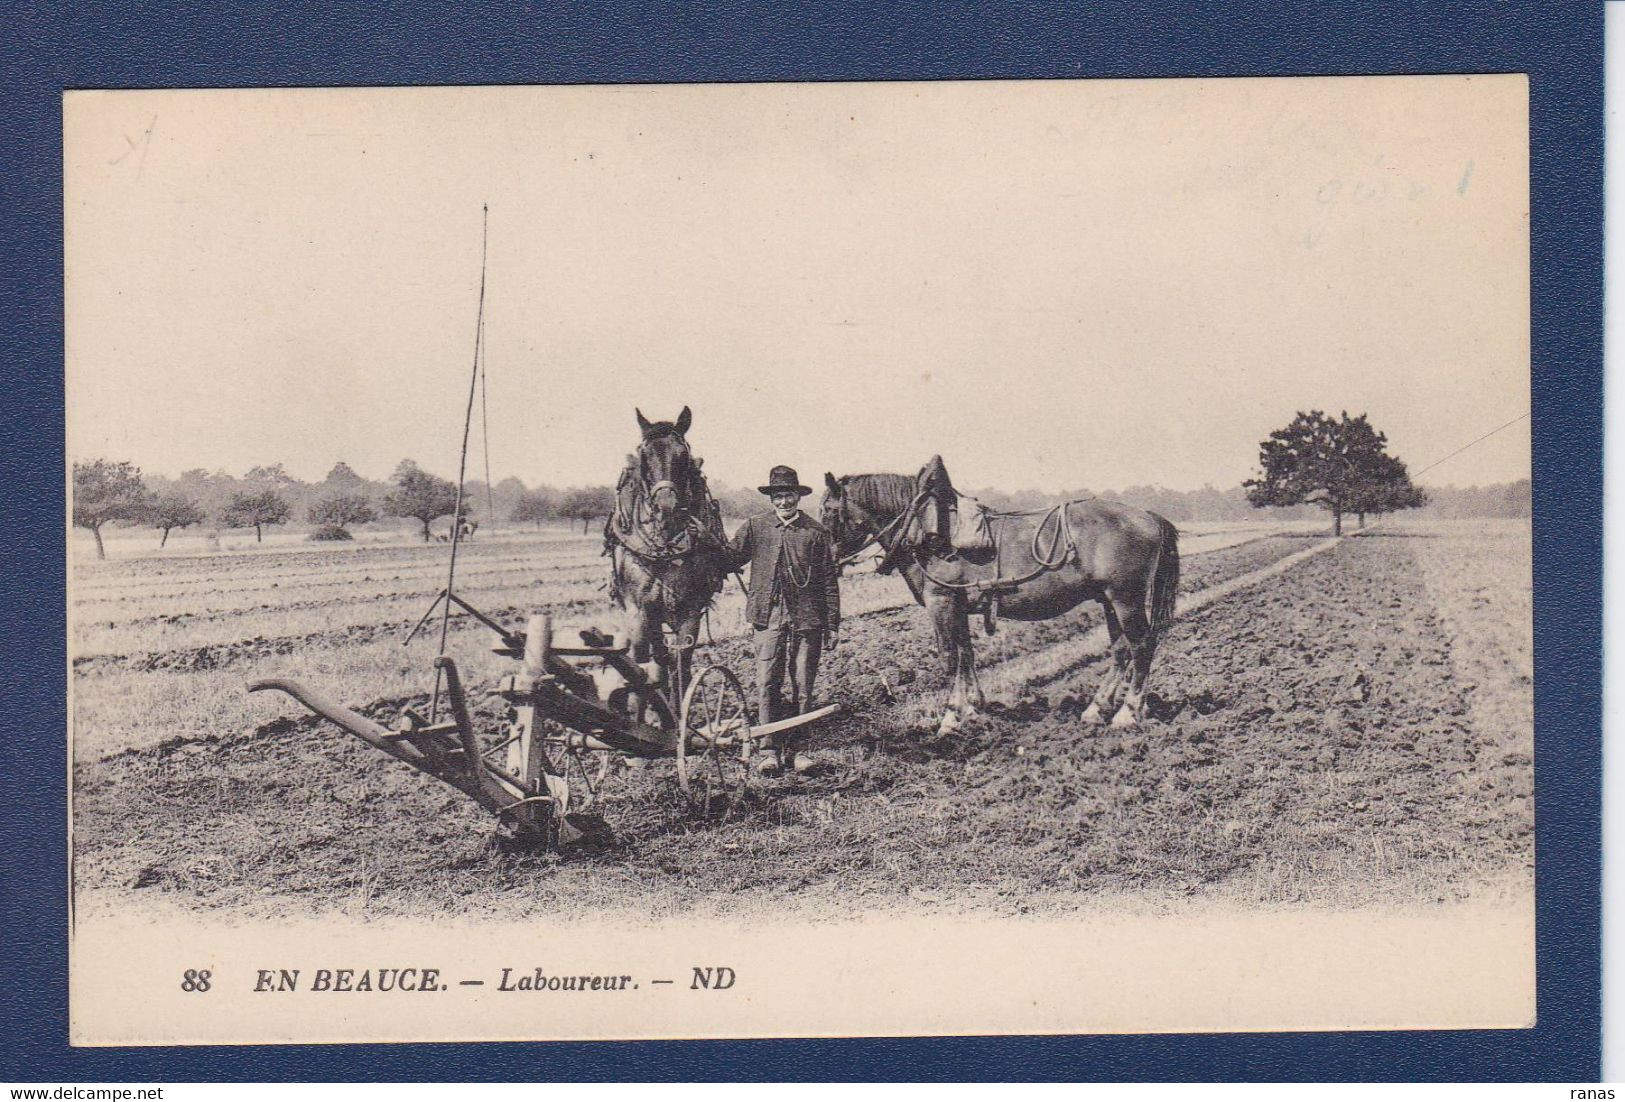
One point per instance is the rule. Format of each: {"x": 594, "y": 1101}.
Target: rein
{"x": 881, "y": 535}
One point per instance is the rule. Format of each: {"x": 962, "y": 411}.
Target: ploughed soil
{"x": 1310, "y": 740}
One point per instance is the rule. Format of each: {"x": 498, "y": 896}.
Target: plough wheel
{"x": 713, "y": 743}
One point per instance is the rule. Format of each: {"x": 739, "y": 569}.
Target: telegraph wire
{"x": 1470, "y": 443}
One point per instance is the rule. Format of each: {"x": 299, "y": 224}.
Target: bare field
{"x": 1353, "y": 729}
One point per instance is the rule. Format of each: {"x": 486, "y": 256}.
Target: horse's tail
{"x": 1165, "y": 580}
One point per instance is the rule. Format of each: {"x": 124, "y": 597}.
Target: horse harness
{"x": 1054, "y": 545}
{"x": 629, "y": 526}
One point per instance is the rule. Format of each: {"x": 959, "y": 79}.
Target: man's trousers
{"x": 778, "y": 647}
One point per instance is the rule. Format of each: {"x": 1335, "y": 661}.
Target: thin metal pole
{"x": 462, "y": 462}
{"x": 485, "y": 437}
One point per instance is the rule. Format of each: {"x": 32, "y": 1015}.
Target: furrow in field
{"x": 316, "y": 561}
{"x": 267, "y": 576}
{"x": 865, "y": 595}
{"x": 197, "y": 692}
{"x": 93, "y": 636}
{"x": 126, "y": 595}
{"x": 1044, "y": 665}
{"x": 257, "y": 633}
{"x": 1312, "y": 742}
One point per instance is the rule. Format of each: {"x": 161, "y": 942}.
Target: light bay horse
{"x": 1028, "y": 566}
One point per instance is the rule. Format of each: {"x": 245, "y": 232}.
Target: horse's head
{"x": 666, "y": 465}
{"x": 837, "y": 512}
{"x": 859, "y": 508}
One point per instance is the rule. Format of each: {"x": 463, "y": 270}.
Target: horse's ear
{"x": 684, "y": 419}
{"x": 643, "y": 422}
{"x": 829, "y": 480}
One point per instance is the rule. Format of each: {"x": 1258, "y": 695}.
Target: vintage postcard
{"x": 804, "y": 560}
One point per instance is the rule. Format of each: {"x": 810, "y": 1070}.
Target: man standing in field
{"x": 794, "y": 596}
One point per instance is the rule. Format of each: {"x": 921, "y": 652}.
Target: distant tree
{"x": 255, "y": 509}
{"x": 506, "y": 494}
{"x": 1318, "y": 460}
{"x": 1507, "y": 499}
{"x": 737, "y": 501}
{"x": 174, "y": 510}
{"x": 342, "y": 477}
{"x": 587, "y": 504}
{"x": 339, "y": 511}
{"x": 106, "y": 491}
{"x": 420, "y": 495}
{"x": 274, "y": 474}
{"x": 210, "y": 491}
{"x": 534, "y": 507}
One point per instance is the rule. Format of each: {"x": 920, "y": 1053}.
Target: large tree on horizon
{"x": 1387, "y": 490}
{"x": 1340, "y": 464}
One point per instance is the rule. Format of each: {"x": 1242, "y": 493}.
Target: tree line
{"x": 118, "y": 493}
{"x": 1317, "y": 463}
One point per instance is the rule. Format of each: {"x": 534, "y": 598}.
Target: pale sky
{"x": 1053, "y": 284}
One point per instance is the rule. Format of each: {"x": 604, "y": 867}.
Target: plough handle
{"x": 360, "y": 726}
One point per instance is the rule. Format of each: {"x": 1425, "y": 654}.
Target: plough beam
{"x": 493, "y": 788}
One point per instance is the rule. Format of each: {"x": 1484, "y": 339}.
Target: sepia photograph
{"x": 799, "y": 560}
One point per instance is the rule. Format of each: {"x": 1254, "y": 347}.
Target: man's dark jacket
{"x": 809, "y": 556}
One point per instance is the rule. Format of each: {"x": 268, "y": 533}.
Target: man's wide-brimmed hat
{"x": 781, "y": 479}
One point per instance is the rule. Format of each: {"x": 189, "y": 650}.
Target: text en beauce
{"x": 350, "y": 979}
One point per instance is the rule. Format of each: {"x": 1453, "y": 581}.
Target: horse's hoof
{"x": 1091, "y": 715}
{"x": 1124, "y": 719}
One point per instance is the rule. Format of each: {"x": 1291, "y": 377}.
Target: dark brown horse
{"x": 663, "y": 540}
{"x": 1024, "y": 566}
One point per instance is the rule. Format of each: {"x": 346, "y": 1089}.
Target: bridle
{"x": 880, "y": 535}
{"x": 654, "y": 542}
{"x": 652, "y": 489}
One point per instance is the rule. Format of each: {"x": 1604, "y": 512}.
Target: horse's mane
{"x": 885, "y": 495}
